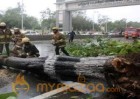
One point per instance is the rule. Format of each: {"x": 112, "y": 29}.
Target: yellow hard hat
{"x": 55, "y": 28}
{"x": 25, "y": 40}
{"x": 2, "y": 24}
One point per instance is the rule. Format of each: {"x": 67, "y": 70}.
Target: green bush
{"x": 101, "y": 46}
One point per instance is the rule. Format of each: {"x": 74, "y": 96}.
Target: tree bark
{"x": 34, "y": 65}
{"x": 60, "y": 66}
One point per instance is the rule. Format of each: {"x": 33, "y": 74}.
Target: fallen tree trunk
{"x": 72, "y": 67}
{"x": 34, "y": 65}
{"x": 24, "y": 63}
{"x": 116, "y": 71}
{"x": 60, "y": 66}
{"x": 63, "y": 66}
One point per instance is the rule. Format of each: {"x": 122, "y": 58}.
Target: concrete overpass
{"x": 65, "y": 7}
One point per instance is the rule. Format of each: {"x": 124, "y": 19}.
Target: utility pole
{"x": 94, "y": 20}
{"x": 106, "y": 27}
{"x": 43, "y": 14}
{"x": 93, "y": 23}
{"x": 126, "y": 24}
{"x": 22, "y": 15}
{"x": 106, "y": 22}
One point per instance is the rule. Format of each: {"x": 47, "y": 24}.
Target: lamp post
{"x": 126, "y": 24}
{"x": 106, "y": 26}
{"x": 106, "y": 23}
{"x": 22, "y": 15}
{"x": 94, "y": 21}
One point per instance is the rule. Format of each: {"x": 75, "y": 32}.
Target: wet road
{"x": 45, "y": 48}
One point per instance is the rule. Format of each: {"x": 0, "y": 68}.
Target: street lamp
{"x": 22, "y": 15}
{"x": 93, "y": 22}
{"x": 126, "y": 24}
{"x": 93, "y": 19}
{"x": 106, "y": 22}
{"x": 106, "y": 27}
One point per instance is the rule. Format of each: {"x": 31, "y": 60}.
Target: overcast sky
{"x": 34, "y": 7}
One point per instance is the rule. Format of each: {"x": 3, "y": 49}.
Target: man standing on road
{"x": 5, "y": 38}
{"x": 58, "y": 40}
{"x": 71, "y": 36}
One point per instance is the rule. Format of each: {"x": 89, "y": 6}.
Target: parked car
{"x": 111, "y": 33}
{"x": 31, "y": 33}
{"x": 114, "y": 33}
{"x": 51, "y": 33}
{"x": 97, "y": 33}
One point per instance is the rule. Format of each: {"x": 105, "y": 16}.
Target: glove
{"x": 61, "y": 40}
{"x": 53, "y": 42}
{"x": 18, "y": 46}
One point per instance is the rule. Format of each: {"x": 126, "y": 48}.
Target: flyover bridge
{"x": 65, "y": 7}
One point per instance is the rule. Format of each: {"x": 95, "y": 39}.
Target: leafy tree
{"x": 81, "y": 22}
{"x": 31, "y": 22}
{"x": 49, "y": 23}
{"x": 120, "y": 25}
{"x": 133, "y": 24}
{"x": 103, "y": 22}
{"x": 12, "y": 17}
{"x": 1, "y": 15}
{"x": 48, "y": 19}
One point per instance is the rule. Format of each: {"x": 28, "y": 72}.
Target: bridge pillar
{"x": 58, "y": 22}
{"x": 67, "y": 21}
{"x": 64, "y": 20}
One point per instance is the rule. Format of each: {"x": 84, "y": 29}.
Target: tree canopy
{"x": 12, "y": 17}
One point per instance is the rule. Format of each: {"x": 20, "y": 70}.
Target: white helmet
{"x": 25, "y": 40}
{"x": 55, "y": 28}
{"x": 16, "y": 29}
{"x": 2, "y": 24}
